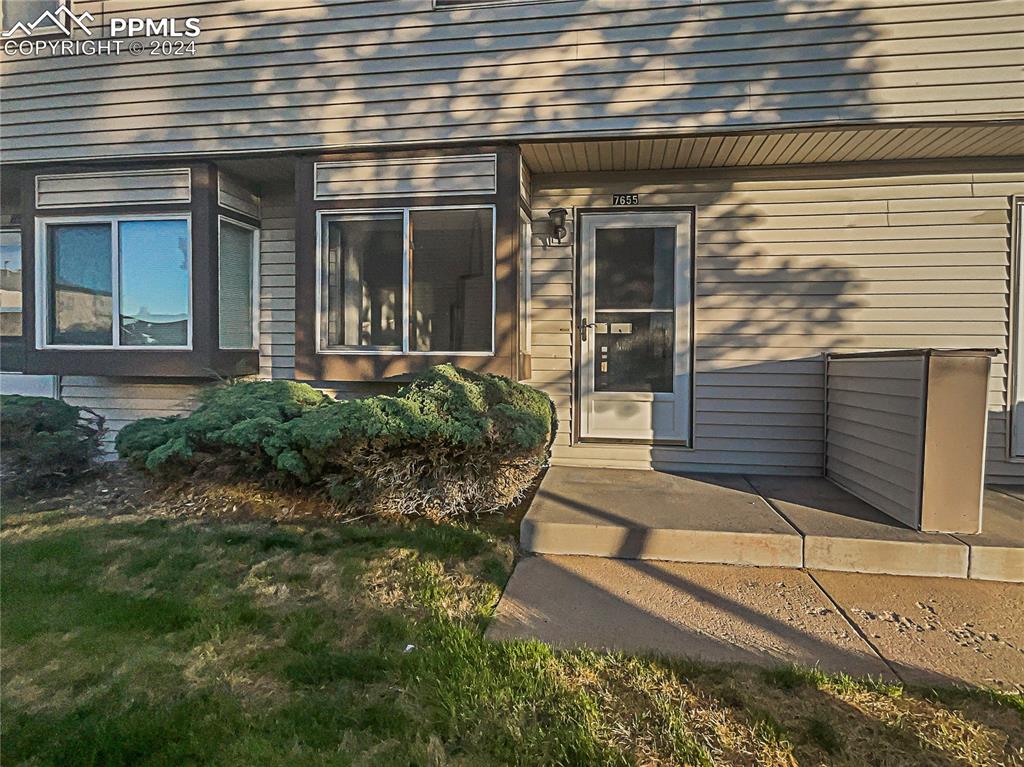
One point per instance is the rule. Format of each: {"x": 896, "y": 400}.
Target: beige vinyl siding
{"x": 392, "y": 71}
{"x": 874, "y": 431}
{"x": 405, "y": 177}
{"x": 277, "y": 282}
{"x": 122, "y": 400}
{"x": 792, "y": 263}
{"x": 113, "y": 188}
{"x": 234, "y": 194}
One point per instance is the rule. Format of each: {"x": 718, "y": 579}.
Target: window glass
{"x": 451, "y": 277}
{"x": 525, "y": 285}
{"x": 363, "y": 281}
{"x": 26, "y": 11}
{"x": 154, "y": 283}
{"x": 10, "y": 283}
{"x": 237, "y": 259}
{"x": 81, "y": 285}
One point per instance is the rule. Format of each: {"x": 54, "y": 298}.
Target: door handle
{"x": 584, "y": 326}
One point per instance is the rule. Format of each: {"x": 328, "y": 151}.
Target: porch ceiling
{"x": 777, "y": 148}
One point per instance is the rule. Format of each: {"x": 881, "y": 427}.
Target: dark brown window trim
{"x": 204, "y": 360}
{"x": 311, "y": 366}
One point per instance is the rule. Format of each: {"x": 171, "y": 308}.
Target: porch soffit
{"x": 777, "y": 148}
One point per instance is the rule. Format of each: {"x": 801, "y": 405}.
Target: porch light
{"x": 557, "y": 218}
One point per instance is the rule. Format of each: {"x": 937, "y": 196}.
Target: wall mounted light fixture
{"x": 557, "y": 218}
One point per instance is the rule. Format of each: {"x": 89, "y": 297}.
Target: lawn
{"x": 144, "y": 632}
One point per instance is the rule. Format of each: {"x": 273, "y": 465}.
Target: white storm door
{"x": 634, "y": 326}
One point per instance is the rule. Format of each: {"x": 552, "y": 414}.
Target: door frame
{"x": 577, "y": 314}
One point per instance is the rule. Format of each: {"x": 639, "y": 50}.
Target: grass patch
{"x": 147, "y": 639}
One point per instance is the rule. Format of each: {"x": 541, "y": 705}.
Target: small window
{"x": 10, "y": 283}
{"x": 135, "y": 269}
{"x": 28, "y": 12}
{"x": 419, "y": 280}
{"x": 237, "y": 285}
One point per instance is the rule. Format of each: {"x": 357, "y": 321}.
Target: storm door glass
{"x": 634, "y": 302}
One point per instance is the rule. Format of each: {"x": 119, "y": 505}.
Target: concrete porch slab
{"x": 715, "y": 613}
{"x": 997, "y": 553}
{"x": 842, "y": 532}
{"x": 651, "y": 515}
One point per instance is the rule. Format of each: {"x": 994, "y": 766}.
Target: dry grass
{"x": 238, "y": 626}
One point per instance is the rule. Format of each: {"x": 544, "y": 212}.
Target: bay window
{"x": 114, "y": 282}
{"x": 412, "y": 281}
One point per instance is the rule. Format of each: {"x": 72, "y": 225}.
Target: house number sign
{"x": 625, "y": 199}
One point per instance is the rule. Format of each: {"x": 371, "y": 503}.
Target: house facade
{"x": 665, "y": 214}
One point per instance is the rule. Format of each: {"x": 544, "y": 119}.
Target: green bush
{"x": 229, "y": 424}
{"x": 44, "y": 440}
{"x": 450, "y": 442}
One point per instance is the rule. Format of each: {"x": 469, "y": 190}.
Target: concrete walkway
{"x": 920, "y": 630}
{"x": 759, "y": 520}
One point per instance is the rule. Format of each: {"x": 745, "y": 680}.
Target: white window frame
{"x": 1015, "y": 441}
{"x": 255, "y": 281}
{"x": 367, "y": 213}
{"x": 42, "y": 293}
{"x": 526, "y": 279}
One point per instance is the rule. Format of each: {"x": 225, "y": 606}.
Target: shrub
{"x": 228, "y": 426}
{"x": 44, "y": 441}
{"x": 450, "y": 442}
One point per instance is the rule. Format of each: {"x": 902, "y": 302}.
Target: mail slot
{"x": 622, "y": 328}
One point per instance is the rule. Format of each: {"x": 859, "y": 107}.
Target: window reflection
{"x": 81, "y": 285}
{"x": 10, "y": 283}
{"x": 154, "y": 283}
{"x": 452, "y": 272}
{"x": 364, "y": 282}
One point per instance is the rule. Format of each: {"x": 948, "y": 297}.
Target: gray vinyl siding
{"x": 382, "y": 72}
{"x": 277, "y": 282}
{"x": 874, "y": 431}
{"x": 113, "y": 188}
{"x": 792, "y": 263}
{"x": 234, "y": 194}
{"x": 405, "y": 177}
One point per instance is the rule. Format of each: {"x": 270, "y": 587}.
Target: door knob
{"x": 584, "y": 326}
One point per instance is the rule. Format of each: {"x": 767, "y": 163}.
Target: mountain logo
{"x": 63, "y": 19}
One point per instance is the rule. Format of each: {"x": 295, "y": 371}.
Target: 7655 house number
{"x": 625, "y": 199}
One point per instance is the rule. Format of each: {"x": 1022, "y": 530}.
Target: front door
{"x": 634, "y": 325}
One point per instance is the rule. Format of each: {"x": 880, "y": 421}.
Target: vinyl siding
{"x": 234, "y": 194}
{"x": 792, "y": 263}
{"x": 122, "y": 401}
{"x": 380, "y": 72}
{"x": 113, "y": 188}
{"x": 405, "y": 177}
{"x": 277, "y": 282}
{"x": 874, "y": 431}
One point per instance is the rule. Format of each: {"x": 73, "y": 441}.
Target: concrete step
{"x": 631, "y": 514}
{"x": 759, "y": 520}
